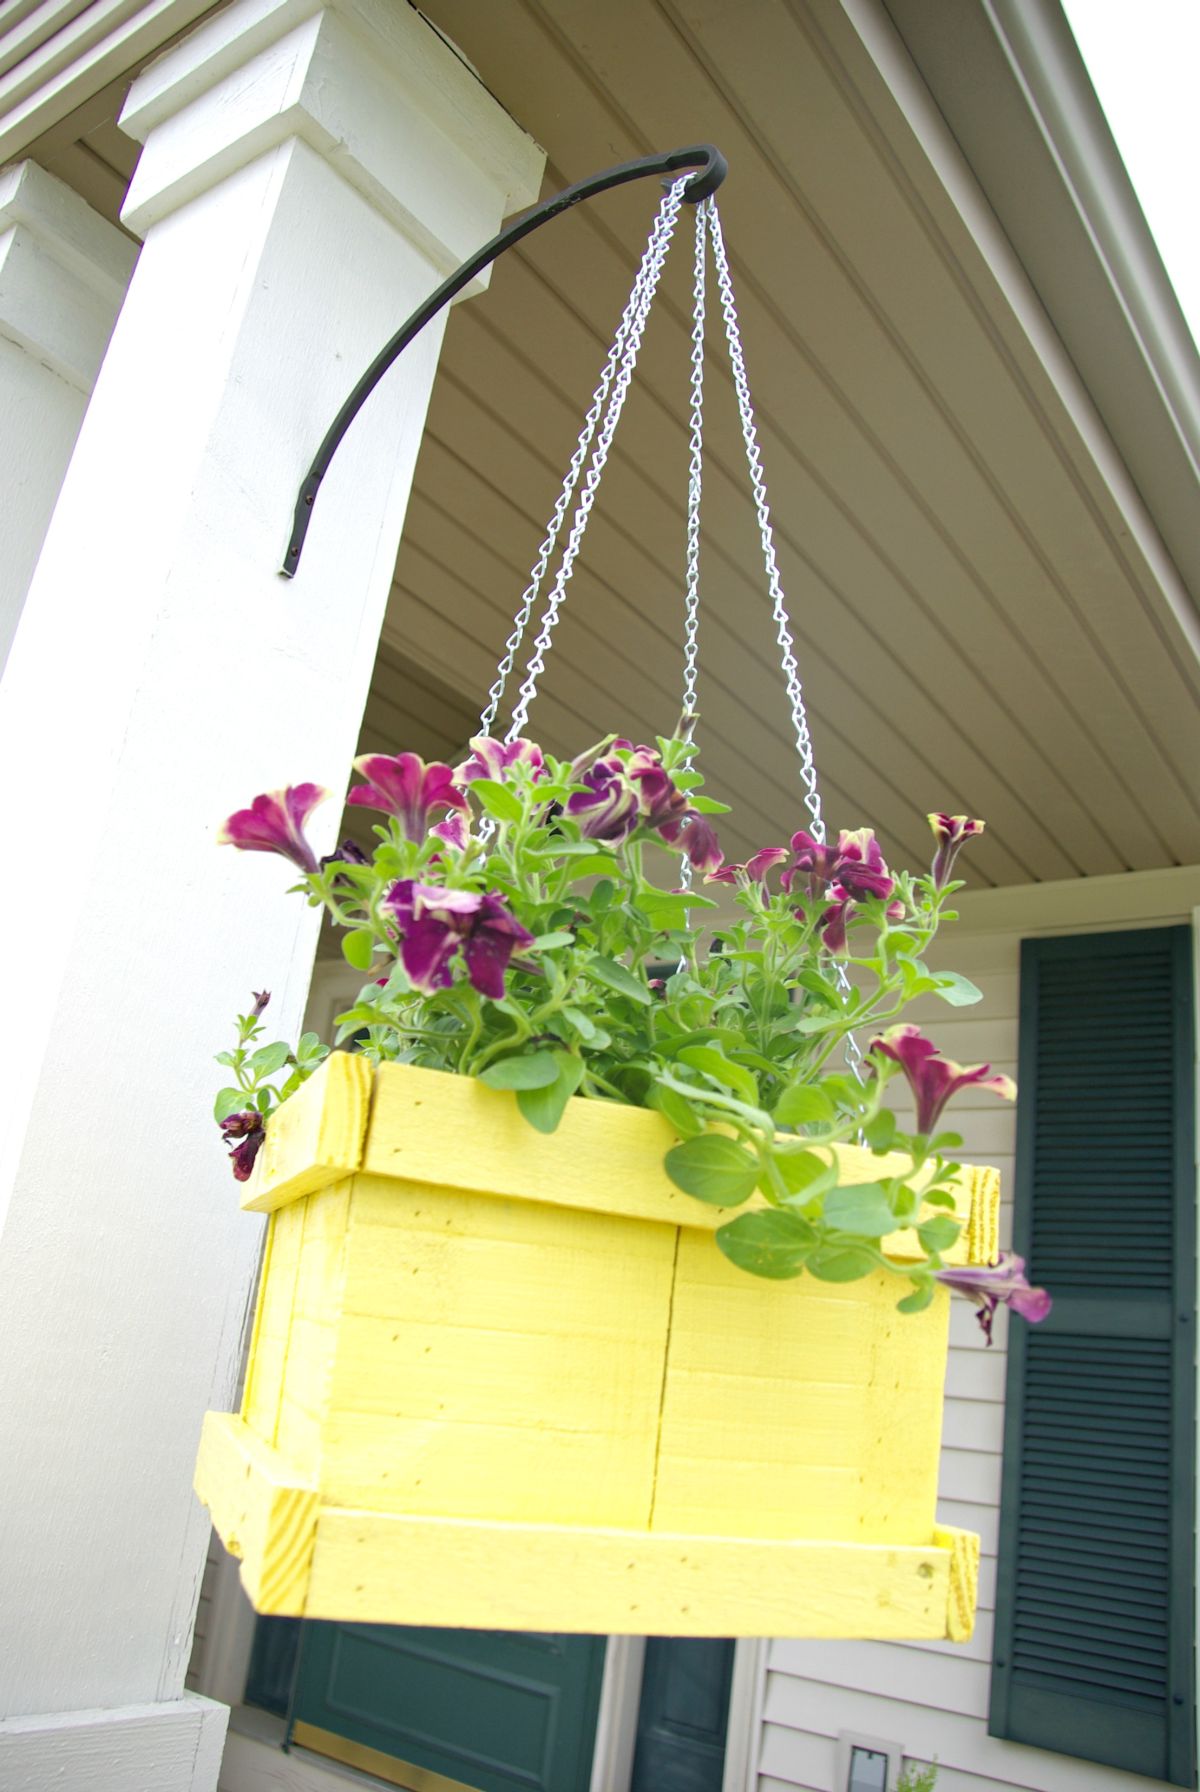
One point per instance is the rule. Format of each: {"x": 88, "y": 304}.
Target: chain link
{"x": 691, "y": 598}
{"x": 640, "y": 302}
{"x": 791, "y": 671}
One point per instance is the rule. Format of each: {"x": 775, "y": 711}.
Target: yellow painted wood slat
{"x": 315, "y": 1137}
{"x": 388, "y": 1568}
{"x": 264, "y": 1514}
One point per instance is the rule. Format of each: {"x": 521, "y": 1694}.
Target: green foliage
{"x": 619, "y": 986}
{"x": 918, "y": 1776}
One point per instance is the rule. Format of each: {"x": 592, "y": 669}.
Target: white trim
{"x": 174, "y": 1746}
{"x": 1133, "y": 898}
{"x": 62, "y": 67}
{"x": 851, "y": 1739}
{"x": 617, "y": 1717}
{"x": 747, "y": 1696}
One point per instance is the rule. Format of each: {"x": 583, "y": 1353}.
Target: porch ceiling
{"x": 977, "y": 627}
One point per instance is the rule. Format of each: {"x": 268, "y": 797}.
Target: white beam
{"x": 63, "y": 274}
{"x": 361, "y": 156}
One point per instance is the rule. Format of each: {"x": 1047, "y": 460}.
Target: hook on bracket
{"x": 711, "y": 171}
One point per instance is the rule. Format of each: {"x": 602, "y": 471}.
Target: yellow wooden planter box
{"x": 503, "y": 1380}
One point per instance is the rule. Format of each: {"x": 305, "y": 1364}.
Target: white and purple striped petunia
{"x": 435, "y": 924}
{"x": 274, "y": 822}
{"x": 404, "y": 786}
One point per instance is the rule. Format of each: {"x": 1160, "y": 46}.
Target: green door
{"x": 501, "y": 1711}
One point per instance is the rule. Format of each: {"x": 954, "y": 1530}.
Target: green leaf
{"x": 841, "y": 1263}
{"x": 229, "y": 1101}
{"x": 544, "y": 1107}
{"x": 682, "y": 1117}
{"x": 537, "y": 1070}
{"x": 548, "y": 942}
{"x": 707, "y": 805}
{"x": 940, "y": 1233}
{"x": 713, "y": 1169}
{"x": 270, "y": 1058}
{"x": 805, "y": 1175}
{"x": 615, "y": 976}
{"x": 714, "y": 1064}
{"x": 881, "y": 1131}
{"x": 773, "y": 1244}
{"x": 358, "y": 948}
{"x": 862, "y": 1209}
{"x": 960, "y": 992}
{"x": 919, "y": 1299}
{"x": 501, "y": 803}
{"x": 803, "y": 1104}
{"x": 906, "y": 1204}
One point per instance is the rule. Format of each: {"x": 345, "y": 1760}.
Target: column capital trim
{"x": 263, "y": 71}
{"x": 78, "y": 238}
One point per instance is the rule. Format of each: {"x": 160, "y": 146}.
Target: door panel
{"x": 500, "y": 1711}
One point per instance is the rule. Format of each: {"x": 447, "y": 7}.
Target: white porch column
{"x": 309, "y": 173}
{"x": 63, "y": 274}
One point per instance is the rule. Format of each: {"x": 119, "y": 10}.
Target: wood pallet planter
{"x": 503, "y": 1380}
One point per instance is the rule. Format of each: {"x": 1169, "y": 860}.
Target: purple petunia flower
{"x": 492, "y": 758}
{"x": 695, "y": 836}
{"x": 856, "y": 862}
{"x": 454, "y": 830}
{"x": 434, "y": 924}
{"x": 1004, "y": 1282}
{"x": 248, "y": 1128}
{"x": 607, "y": 808}
{"x": 951, "y": 833}
{"x": 273, "y": 823}
{"x": 755, "y": 870}
{"x": 932, "y": 1078}
{"x": 404, "y": 786}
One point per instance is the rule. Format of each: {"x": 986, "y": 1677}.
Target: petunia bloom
{"x": 951, "y": 833}
{"x": 404, "y": 786}
{"x": 932, "y": 1078}
{"x": 696, "y": 837}
{"x": 274, "y": 823}
{"x": 435, "y": 924}
{"x": 248, "y": 1128}
{"x": 607, "y": 808}
{"x": 492, "y": 758}
{"x": 454, "y": 830}
{"x": 755, "y": 870}
{"x": 856, "y": 862}
{"x": 1005, "y": 1281}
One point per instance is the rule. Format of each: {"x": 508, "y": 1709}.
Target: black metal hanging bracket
{"x": 711, "y": 171}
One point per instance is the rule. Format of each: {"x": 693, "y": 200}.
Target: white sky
{"x": 1144, "y": 60}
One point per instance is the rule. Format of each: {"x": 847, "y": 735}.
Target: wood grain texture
{"x": 315, "y": 1137}
{"x": 800, "y": 1407}
{"x": 264, "y": 1513}
{"x": 388, "y": 1568}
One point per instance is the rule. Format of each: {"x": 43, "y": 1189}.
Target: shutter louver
{"x": 1094, "y": 1619}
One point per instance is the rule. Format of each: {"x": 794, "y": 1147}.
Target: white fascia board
{"x": 1011, "y": 84}
{"x": 60, "y": 55}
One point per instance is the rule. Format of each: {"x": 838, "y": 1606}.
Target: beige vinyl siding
{"x": 932, "y": 1699}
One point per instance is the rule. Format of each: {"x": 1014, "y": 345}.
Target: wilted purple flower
{"x": 492, "y": 758}
{"x": 273, "y": 823}
{"x": 607, "y": 808}
{"x": 695, "y": 835}
{"x": 951, "y": 833}
{"x": 434, "y": 924}
{"x": 261, "y": 998}
{"x": 834, "y": 922}
{"x": 1004, "y": 1281}
{"x": 248, "y": 1127}
{"x": 404, "y": 786}
{"x": 932, "y": 1078}
{"x": 755, "y": 870}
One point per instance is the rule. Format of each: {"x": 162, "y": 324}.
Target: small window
{"x": 867, "y": 1764}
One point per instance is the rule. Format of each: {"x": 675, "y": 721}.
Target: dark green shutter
{"x": 683, "y": 1715}
{"x": 1094, "y": 1652}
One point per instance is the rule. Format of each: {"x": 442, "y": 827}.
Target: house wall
{"x": 931, "y": 1698}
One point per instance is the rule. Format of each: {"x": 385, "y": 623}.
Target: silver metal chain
{"x": 640, "y": 301}
{"x": 691, "y": 587}
{"x": 791, "y": 671}
{"x": 554, "y": 527}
